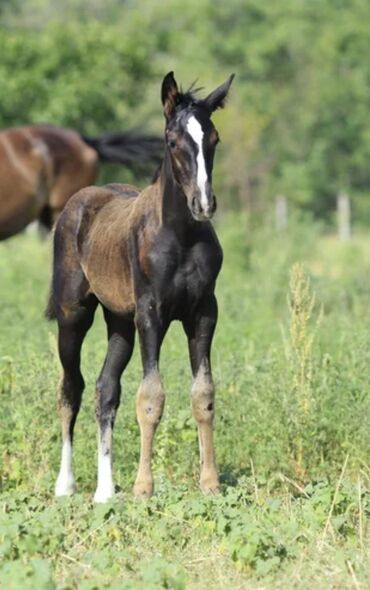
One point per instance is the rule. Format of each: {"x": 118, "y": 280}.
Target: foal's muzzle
{"x": 201, "y": 213}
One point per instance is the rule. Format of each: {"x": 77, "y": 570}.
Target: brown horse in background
{"x": 42, "y": 166}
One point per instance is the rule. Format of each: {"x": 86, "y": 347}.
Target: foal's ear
{"x": 170, "y": 95}
{"x": 217, "y": 98}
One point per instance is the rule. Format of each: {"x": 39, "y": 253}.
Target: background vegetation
{"x": 292, "y": 349}
{"x": 298, "y": 122}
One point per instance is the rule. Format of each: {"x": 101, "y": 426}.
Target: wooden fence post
{"x": 281, "y": 213}
{"x": 344, "y": 216}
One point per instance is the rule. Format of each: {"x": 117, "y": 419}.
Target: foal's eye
{"x": 172, "y": 143}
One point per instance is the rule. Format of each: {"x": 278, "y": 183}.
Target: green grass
{"x": 292, "y": 432}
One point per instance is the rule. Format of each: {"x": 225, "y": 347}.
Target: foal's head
{"x": 191, "y": 140}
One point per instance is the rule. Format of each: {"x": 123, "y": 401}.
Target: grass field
{"x": 291, "y": 362}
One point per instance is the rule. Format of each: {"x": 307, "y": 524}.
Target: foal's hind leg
{"x": 199, "y": 329}
{"x": 108, "y": 390}
{"x": 72, "y": 331}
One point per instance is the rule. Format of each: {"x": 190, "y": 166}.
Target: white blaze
{"x": 196, "y": 132}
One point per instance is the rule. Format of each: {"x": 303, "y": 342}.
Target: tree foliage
{"x": 298, "y": 121}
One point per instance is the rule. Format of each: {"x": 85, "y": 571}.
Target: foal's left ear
{"x": 170, "y": 95}
{"x": 217, "y": 98}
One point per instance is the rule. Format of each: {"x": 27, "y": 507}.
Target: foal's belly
{"x": 111, "y": 283}
{"x": 114, "y": 296}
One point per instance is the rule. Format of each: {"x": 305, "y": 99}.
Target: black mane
{"x": 189, "y": 98}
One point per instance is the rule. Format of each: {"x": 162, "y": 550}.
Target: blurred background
{"x": 298, "y": 121}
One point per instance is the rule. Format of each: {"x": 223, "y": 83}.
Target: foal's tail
{"x": 132, "y": 149}
{"x": 50, "y": 311}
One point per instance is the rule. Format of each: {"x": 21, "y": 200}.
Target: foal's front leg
{"x": 200, "y": 329}
{"x": 150, "y": 397}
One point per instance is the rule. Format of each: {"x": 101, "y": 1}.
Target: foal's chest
{"x": 195, "y": 275}
{"x": 186, "y": 275}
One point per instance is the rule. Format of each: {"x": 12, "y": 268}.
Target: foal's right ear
{"x": 170, "y": 95}
{"x": 217, "y": 98}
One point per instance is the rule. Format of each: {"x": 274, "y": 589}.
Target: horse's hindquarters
{"x": 24, "y": 180}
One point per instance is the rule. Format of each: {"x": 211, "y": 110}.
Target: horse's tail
{"x": 50, "y": 311}
{"x": 132, "y": 149}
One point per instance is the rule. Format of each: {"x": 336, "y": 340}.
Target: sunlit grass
{"x": 275, "y": 526}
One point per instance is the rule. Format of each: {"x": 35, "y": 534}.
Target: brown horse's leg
{"x": 150, "y": 399}
{"x": 121, "y": 335}
{"x": 199, "y": 329}
{"x": 72, "y": 332}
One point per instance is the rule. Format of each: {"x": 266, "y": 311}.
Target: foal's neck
{"x": 175, "y": 211}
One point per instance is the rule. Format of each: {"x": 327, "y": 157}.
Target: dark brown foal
{"x": 148, "y": 258}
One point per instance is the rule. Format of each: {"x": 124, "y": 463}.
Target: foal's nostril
{"x": 195, "y": 206}
{"x": 214, "y": 204}
{"x": 203, "y": 212}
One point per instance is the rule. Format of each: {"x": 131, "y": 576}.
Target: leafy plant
{"x": 300, "y": 357}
